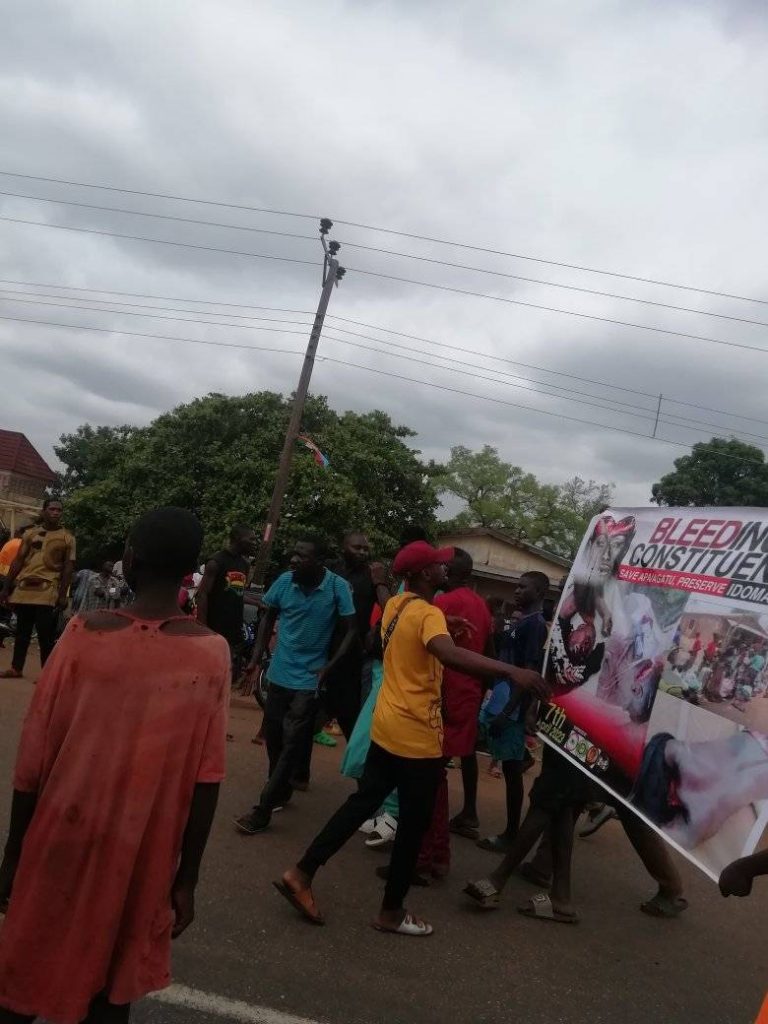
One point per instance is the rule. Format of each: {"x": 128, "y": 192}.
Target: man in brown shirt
{"x": 38, "y": 584}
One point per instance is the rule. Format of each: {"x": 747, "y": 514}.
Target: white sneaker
{"x": 385, "y": 832}
{"x": 368, "y": 826}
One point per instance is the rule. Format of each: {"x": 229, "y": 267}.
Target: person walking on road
{"x": 115, "y": 789}
{"x": 220, "y": 597}
{"x": 406, "y": 738}
{"x": 309, "y": 603}
{"x": 37, "y": 585}
{"x": 96, "y": 591}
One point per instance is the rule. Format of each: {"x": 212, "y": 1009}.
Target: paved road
{"x": 249, "y": 958}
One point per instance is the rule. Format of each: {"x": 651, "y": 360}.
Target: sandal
{"x": 301, "y": 900}
{"x": 540, "y": 907}
{"x": 483, "y": 892}
{"x": 410, "y": 925}
{"x": 664, "y": 906}
{"x": 11, "y": 673}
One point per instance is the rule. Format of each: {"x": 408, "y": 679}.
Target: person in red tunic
{"x": 471, "y": 625}
{"x": 115, "y": 789}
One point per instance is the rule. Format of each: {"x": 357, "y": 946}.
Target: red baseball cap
{"x": 419, "y": 555}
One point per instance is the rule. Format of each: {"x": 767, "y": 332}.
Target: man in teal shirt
{"x": 307, "y": 603}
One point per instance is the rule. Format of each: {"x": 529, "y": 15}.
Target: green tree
{"x": 218, "y": 456}
{"x": 717, "y": 472}
{"x": 498, "y": 494}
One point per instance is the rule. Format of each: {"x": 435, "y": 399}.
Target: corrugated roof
{"x": 18, "y": 455}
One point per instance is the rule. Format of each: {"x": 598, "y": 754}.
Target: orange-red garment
{"x": 122, "y": 726}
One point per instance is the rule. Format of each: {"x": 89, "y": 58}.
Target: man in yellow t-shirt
{"x": 37, "y": 585}
{"x": 406, "y": 737}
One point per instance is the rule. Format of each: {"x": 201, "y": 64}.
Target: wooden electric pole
{"x": 332, "y": 274}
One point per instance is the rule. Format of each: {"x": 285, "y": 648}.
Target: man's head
{"x": 163, "y": 546}
{"x": 107, "y": 568}
{"x": 52, "y": 512}
{"x": 242, "y": 540}
{"x": 357, "y": 550}
{"x": 459, "y": 569}
{"x": 531, "y": 590}
{"x": 423, "y": 567}
{"x": 308, "y": 559}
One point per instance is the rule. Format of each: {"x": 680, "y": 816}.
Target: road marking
{"x": 221, "y": 1006}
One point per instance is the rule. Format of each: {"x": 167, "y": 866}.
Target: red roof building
{"x": 24, "y": 477}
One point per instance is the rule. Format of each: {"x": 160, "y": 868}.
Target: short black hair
{"x": 51, "y": 501}
{"x": 539, "y": 580}
{"x": 317, "y": 542}
{"x": 353, "y": 533}
{"x": 167, "y": 541}
{"x": 238, "y": 531}
{"x": 411, "y": 534}
{"x": 463, "y": 562}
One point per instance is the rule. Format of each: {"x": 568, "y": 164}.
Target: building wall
{"x": 496, "y": 554}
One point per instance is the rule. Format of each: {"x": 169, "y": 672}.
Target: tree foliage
{"x": 218, "y": 456}
{"x": 717, "y": 472}
{"x": 497, "y": 494}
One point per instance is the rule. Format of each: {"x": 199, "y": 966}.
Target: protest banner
{"x": 659, "y": 658}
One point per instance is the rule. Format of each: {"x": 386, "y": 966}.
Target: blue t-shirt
{"x": 306, "y": 626}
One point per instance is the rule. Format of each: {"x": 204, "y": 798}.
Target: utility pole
{"x": 658, "y": 413}
{"x": 332, "y": 274}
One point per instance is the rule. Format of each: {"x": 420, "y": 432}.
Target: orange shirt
{"x": 408, "y": 720}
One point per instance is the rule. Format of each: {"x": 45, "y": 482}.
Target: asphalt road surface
{"x": 249, "y": 958}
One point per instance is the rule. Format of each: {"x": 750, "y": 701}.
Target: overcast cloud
{"x": 623, "y": 136}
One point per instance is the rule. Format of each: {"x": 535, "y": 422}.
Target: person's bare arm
{"x": 266, "y": 629}
{"x": 379, "y": 579}
{"x": 201, "y": 814}
{"x": 350, "y": 624}
{"x": 64, "y": 583}
{"x": 22, "y": 809}
{"x": 203, "y": 591}
{"x": 445, "y": 650}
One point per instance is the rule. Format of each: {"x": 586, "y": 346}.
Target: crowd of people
{"x": 108, "y": 826}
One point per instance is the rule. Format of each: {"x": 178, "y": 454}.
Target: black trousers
{"x": 43, "y": 618}
{"x": 289, "y": 720}
{"x": 341, "y": 700}
{"x": 416, "y": 781}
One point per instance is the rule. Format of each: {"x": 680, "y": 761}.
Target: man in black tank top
{"x": 222, "y": 589}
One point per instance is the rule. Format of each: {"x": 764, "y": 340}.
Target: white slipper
{"x": 385, "y": 832}
{"x": 369, "y": 826}
{"x": 410, "y": 925}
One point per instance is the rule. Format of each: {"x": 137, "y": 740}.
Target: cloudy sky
{"x": 626, "y": 137}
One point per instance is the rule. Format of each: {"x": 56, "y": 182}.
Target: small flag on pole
{"x": 320, "y": 459}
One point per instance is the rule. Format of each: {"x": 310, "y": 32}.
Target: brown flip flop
{"x": 301, "y": 900}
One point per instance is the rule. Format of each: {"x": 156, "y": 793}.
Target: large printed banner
{"x": 659, "y": 652}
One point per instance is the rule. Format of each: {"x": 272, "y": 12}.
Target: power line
{"x": 167, "y": 298}
{"x": 392, "y": 231}
{"x": 555, "y": 309}
{"x": 402, "y": 280}
{"x": 370, "y": 369}
{"x": 390, "y": 252}
{"x": 160, "y": 241}
{"x": 582, "y": 398}
{"x": 37, "y": 301}
{"x": 429, "y": 341}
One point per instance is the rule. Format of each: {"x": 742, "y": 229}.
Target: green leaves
{"x": 218, "y": 456}
{"x": 498, "y": 494}
{"x": 719, "y": 472}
